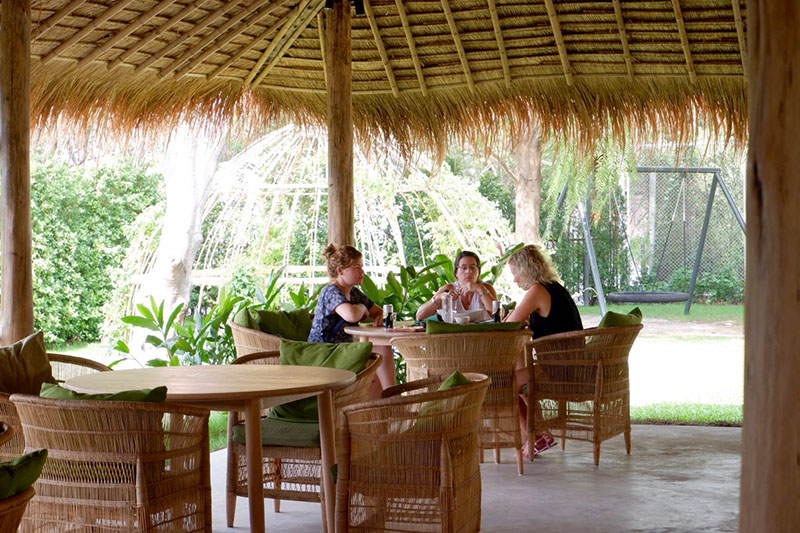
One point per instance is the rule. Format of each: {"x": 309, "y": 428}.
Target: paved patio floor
{"x": 677, "y": 479}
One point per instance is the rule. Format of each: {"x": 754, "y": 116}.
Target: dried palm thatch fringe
{"x": 424, "y": 73}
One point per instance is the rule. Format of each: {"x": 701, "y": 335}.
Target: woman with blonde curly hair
{"x": 547, "y": 308}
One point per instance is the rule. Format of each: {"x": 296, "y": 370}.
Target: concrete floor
{"x": 677, "y": 479}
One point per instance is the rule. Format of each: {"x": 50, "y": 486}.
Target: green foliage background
{"x": 79, "y": 220}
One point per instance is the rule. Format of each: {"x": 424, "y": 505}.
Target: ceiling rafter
{"x": 276, "y": 41}
{"x": 86, "y": 30}
{"x": 195, "y": 29}
{"x": 285, "y": 18}
{"x": 160, "y": 30}
{"x": 289, "y": 42}
{"x": 134, "y": 25}
{"x": 562, "y": 49}
{"x": 55, "y": 18}
{"x": 676, "y": 8}
{"x": 737, "y": 17}
{"x": 230, "y": 36}
{"x": 462, "y": 54}
{"x": 412, "y": 47}
{"x": 373, "y": 24}
{"x": 321, "y": 30}
{"x": 623, "y": 36}
{"x": 498, "y": 32}
{"x": 228, "y": 24}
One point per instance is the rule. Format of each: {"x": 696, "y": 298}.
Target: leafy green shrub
{"x": 79, "y": 219}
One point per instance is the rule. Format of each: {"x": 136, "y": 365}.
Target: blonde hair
{"x": 533, "y": 262}
{"x": 339, "y": 256}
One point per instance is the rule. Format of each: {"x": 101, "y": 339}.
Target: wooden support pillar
{"x": 341, "y": 221}
{"x": 770, "y": 486}
{"x": 16, "y": 293}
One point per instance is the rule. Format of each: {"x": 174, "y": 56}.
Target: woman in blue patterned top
{"x": 341, "y": 304}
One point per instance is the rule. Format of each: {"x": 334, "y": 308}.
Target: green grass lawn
{"x": 217, "y": 430}
{"x": 688, "y": 414}
{"x": 699, "y": 312}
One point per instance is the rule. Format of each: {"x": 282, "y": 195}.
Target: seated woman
{"x": 341, "y": 304}
{"x": 469, "y": 292}
{"x": 547, "y": 308}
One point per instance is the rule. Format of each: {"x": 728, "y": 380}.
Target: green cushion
{"x": 444, "y": 327}
{"x": 351, "y": 356}
{"x": 614, "y": 320}
{"x": 428, "y": 410}
{"x": 294, "y": 325}
{"x": 20, "y": 473}
{"x": 155, "y": 395}
{"x": 456, "y": 379}
{"x": 276, "y": 432}
{"x": 24, "y": 366}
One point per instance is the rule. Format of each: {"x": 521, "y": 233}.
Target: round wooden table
{"x": 240, "y": 388}
{"x": 381, "y": 336}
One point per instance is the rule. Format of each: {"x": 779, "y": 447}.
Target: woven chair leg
{"x": 628, "y": 441}
{"x": 597, "y": 453}
{"x": 519, "y": 461}
{"x": 230, "y": 507}
{"x": 276, "y": 503}
{"x": 496, "y": 455}
{"x": 324, "y": 517}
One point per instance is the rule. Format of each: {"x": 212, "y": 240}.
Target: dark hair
{"x": 339, "y": 256}
{"x": 466, "y": 253}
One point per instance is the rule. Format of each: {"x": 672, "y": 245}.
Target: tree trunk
{"x": 528, "y": 195}
{"x": 770, "y": 485}
{"x": 16, "y": 313}
{"x": 341, "y": 218}
{"x": 190, "y": 161}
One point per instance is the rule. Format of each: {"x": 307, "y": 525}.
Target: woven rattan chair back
{"x": 290, "y": 472}
{"x": 117, "y": 466}
{"x": 249, "y": 340}
{"x": 410, "y": 461}
{"x": 15, "y": 445}
{"x": 496, "y": 354}
{"x": 70, "y": 366}
{"x": 584, "y": 389}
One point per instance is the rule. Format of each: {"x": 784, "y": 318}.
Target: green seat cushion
{"x": 429, "y": 410}
{"x": 351, "y": 356}
{"x": 444, "y": 327}
{"x": 456, "y": 379}
{"x": 275, "y": 432}
{"x": 615, "y": 320}
{"x": 155, "y": 395}
{"x": 20, "y": 473}
{"x": 293, "y": 325}
{"x": 24, "y": 366}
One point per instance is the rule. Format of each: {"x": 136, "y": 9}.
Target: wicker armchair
{"x": 496, "y": 354}
{"x": 290, "y": 472}
{"x": 64, "y": 367}
{"x": 12, "y": 509}
{"x": 249, "y": 340}
{"x": 117, "y": 466}
{"x": 410, "y": 461}
{"x": 585, "y": 392}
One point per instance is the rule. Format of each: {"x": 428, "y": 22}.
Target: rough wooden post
{"x": 16, "y": 293}
{"x": 341, "y": 221}
{"x": 771, "y": 433}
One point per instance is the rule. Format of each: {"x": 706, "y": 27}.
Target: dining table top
{"x": 383, "y": 333}
{"x": 218, "y": 382}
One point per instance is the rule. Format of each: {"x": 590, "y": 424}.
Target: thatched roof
{"x": 422, "y": 70}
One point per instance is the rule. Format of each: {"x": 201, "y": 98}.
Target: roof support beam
{"x": 676, "y": 7}
{"x": 623, "y": 36}
{"x": 55, "y": 18}
{"x": 16, "y": 313}
{"x": 562, "y": 49}
{"x": 276, "y": 41}
{"x": 289, "y": 42}
{"x": 225, "y": 39}
{"x": 134, "y": 25}
{"x": 86, "y": 30}
{"x": 498, "y": 32}
{"x": 154, "y": 34}
{"x": 462, "y": 55}
{"x": 341, "y": 215}
{"x": 401, "y": 9}
{"x": 196, "y": 28}
{"x": 321, "y": 30}
{"x": 737, "y": 17}
{"x": 245, "y": 49}
{"x": 373, "y": 24}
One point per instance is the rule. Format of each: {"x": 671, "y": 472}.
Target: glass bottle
{"x": 496, "y": 311}
{"x": 388, "y": 316}
{"x": 447, "y": 307}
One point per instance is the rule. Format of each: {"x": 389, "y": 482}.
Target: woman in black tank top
{"x": 547, "y": 308}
